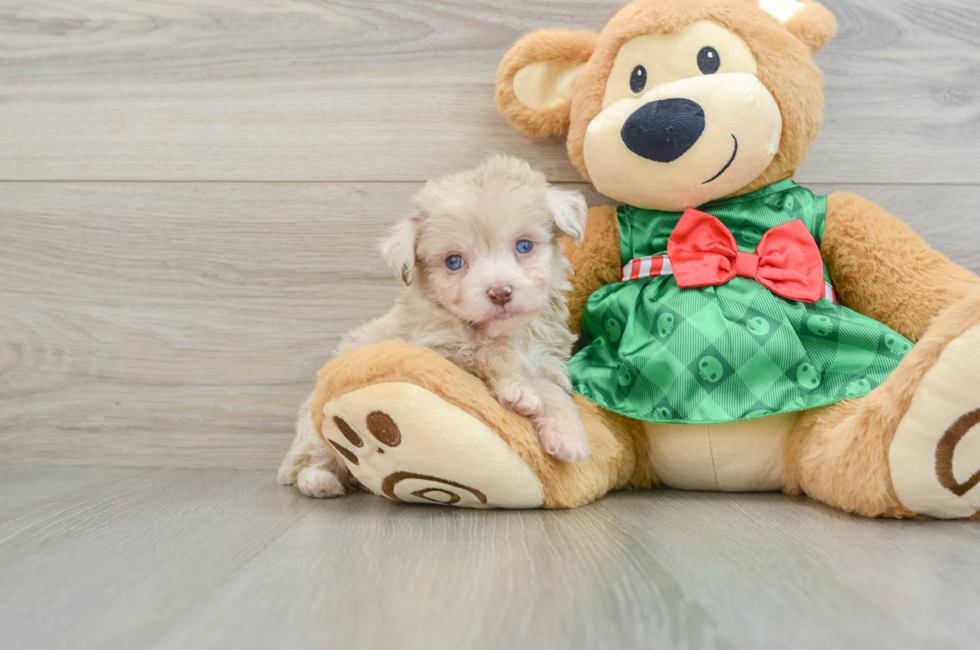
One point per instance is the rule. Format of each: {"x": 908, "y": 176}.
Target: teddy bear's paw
{"x": 934, "y": 457}
{"x": 319, "y": 483}
{"x": 406, "y": 443}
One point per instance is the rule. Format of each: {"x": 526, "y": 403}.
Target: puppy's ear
{"x": 398, "y": 249}
{"x": 807, "y": 20}
{"x": 536, "y": 78}
{"x": 570, "y": 211}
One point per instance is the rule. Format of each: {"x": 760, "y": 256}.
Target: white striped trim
{"x": 646, "y": 267}
{"x": 829, "y": 293}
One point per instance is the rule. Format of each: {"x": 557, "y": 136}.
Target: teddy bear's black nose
{"x": 664, "y": 130}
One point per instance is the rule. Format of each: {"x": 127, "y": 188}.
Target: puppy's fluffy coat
{"x": 485, "y": 277}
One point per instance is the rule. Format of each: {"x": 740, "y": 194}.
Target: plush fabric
{"x": 785, "y": 67}
{"x": 839, "y": 454}
{"x": 908, "y": 448}
{"x": 742, "y": 456}
{"x": 444, "y": 472}
{"x": 596, "y": 260}
{"x": 612, "y": 442}
{"x": 882, "y": 269}
{"x": 560, "y": 50}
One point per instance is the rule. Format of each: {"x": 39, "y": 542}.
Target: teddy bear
{"x": 737, "y": 332}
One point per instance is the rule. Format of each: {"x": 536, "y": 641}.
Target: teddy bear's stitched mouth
{"x": 727, "y": 165}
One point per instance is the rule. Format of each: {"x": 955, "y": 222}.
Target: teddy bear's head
{"x": 676, "y": 102}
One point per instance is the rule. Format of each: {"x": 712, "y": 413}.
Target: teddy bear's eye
{"x": 708, "y": 60}
{"x": 638, "y": 80}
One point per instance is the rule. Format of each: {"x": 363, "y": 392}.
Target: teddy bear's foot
{"x": 406, "y": 443}
{"x": 912, "y": 446}
{"x": 934, "y": 457}
{"x": 412, "y": 426}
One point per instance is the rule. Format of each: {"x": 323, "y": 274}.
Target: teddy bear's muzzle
{"x": 684, "y": 143}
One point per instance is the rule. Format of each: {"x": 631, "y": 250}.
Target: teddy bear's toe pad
{"x": 935, "y": 455}
{"x": 404, "y": 442}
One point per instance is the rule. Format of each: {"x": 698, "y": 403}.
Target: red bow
{"x": 702, "y": 252}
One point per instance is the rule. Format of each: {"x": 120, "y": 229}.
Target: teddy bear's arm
{"x": 596, "y": 260}
{"x": 882, "y": 269}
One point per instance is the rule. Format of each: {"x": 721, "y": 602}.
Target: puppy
{"x": 484, "y": 274}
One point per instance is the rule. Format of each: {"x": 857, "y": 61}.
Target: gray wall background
{"x": 190, "y": 192}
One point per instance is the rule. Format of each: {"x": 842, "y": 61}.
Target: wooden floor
{"x": 181, "y": 559}
{"x": 189, "y": 197}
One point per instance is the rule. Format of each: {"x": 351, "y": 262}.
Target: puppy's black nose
{"x": 499, "y": 295}
{"x": 664, "y": 130}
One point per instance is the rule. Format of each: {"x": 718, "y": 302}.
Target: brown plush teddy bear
{"x": 763, "y": 341}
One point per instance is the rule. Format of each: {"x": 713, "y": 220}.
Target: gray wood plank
{"x": 108, "y": 566}
{"x": 218, "y": 558}
{"x": 648, "y": 569}
{"x": 366, "y": 573}
{"x": 26, "y": 489}
{"x": 194, "y": 306}
{"x": 180, "y": 324}
{"x": 386, "y": 90}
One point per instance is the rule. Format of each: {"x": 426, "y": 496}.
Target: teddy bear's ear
{"x": 536, "y": 78}
{"x": 809, "y": 21}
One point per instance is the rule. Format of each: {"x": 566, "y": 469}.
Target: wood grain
{"x": 110, "y": 564}
{"x": 188, "y": 559}
{"x": 390, "y": 90}
{"x": 181, "y": 324}
{"x": 26, "y": 490}
{"x": 138, "y": 318}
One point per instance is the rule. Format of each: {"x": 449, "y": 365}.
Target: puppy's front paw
{"x": 520, "y": 397}
{"x": 563, "y": 438}
{"x": 318, "y": 483}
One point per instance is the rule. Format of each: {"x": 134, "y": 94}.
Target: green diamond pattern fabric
{"x": 653, "y": 351}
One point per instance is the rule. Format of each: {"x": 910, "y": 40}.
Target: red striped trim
{"x": 645, "y": 267}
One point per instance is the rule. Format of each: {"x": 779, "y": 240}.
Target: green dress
{"x": 655, "y": 352}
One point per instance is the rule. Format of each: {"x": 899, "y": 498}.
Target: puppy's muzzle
{"x": 664, "y": 130}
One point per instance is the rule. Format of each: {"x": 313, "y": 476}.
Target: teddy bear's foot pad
{"x": 935, "y": 455}
{"x": 404, "y": 442}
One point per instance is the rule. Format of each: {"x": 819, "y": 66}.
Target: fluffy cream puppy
{"x": 484, "y": 275}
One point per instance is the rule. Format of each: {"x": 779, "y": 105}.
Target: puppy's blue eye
{"x": 524, "y": 246}
{"x": 454, "y": 262}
